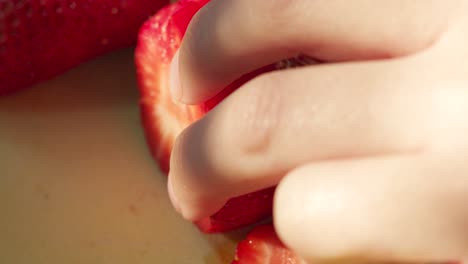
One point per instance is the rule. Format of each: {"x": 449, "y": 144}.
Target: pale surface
{"x": 77, "y": 184}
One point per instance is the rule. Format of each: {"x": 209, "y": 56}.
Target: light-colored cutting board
{"x": 77, "y": 184}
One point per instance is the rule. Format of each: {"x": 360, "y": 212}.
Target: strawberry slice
{"x": 163, "y": 120}
{"x": 40, "y": 39}
{"x": 262, "y": 246}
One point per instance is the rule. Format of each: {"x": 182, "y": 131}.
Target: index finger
{"x": 227, "y": 39}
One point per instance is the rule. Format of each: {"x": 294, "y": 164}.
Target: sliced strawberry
{"x": 163, "y": 120}
{"x": 262, "y": 246}
{"x": 40, "y": 39}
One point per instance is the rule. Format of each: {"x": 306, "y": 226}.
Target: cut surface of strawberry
{"x": 40, "y": 39}
{"x": 164, "y": 120}
{"x": 262, "y": 246}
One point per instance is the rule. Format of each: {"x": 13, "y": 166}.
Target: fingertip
{"x": 184, "y": 88}
{"x": 172, "y": 197}
{"x": 174, "y": 79}
{"x": 190, "y": 186}
{"x": 187, "y": 210}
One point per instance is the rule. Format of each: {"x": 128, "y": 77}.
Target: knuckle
{"x": 258, "y": 113}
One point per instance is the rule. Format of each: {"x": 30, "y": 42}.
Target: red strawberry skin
{"x": 40, "y": 39}
{"x": 262, "y": 246}
{"x": 163, "y": 120}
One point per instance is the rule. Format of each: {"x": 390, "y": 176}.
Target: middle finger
{"x": 284, "y": 119}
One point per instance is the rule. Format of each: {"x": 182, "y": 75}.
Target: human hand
{"x": 368, "y": 148}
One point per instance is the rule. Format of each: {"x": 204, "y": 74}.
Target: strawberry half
{"x": 40, "y": 39}
{"x": 262, "y": 246}
{"x": 163, "y": 120}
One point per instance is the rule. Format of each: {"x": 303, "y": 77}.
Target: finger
{"x": 283, "y": 119}
{"x": 227, "y": 39}
{"x": 397, "y": 208}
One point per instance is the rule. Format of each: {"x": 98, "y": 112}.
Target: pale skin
{"x": 369, "y": 150}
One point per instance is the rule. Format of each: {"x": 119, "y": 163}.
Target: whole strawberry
{"x": 40, "y": 39}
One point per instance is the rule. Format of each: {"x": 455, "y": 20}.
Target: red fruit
{"x": 40, "y": 39}
{"x": 163, "y": 120}
{"x": 262, "y": 246}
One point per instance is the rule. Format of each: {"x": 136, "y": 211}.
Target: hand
{"x": 369, "y": 149}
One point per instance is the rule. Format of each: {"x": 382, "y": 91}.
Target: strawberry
{"x": 40, "y": 39}
{"x": 262, "y": 246}
{"x": 163, "y": 120}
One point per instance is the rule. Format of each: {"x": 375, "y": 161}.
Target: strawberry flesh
{"x": 164, "y": 120}
{"x": 262, "y": 246}
{"x": 40, "y": 39}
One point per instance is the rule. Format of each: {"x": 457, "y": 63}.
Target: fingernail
{"x": 174, "y": 79}
{"x": 172, "y": 197}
